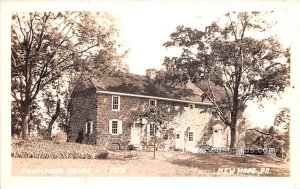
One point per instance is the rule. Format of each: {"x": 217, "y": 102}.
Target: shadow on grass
{"x": 212, "y": 162}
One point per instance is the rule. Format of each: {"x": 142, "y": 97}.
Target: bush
{"x": 59, "y": 138}
{"x": 52, "y": 150}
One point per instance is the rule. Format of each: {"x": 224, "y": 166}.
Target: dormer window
{"x": 152, "y": 102}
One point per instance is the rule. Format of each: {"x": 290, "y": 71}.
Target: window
{"x": 115, "y": 127}
{"x": 166, "y": 136}
{"x": 152, "y": 102}
{"x": 191, "y": 106}
{"x": 216, "y": 117}
{"x": 115, "y": 103}
{"x": 152, "y": 129}
{"x": 178, "y": 136}
{"x": 191, "y": 136}
{"x": 89, "y": 127}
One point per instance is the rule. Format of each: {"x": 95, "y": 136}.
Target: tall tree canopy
{"x": 46, "y": 46}
{"x": 229, "y": 65}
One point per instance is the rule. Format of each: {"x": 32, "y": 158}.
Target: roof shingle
{"x": 142, "y": 85}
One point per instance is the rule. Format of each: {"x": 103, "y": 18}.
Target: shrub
{"x": 53, "y": 150}
{"x": 59, "y": 137}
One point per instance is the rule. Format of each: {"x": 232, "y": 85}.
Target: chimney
{"x": 151, "y": 73}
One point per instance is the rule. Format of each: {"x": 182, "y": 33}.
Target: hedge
{"x": 50, "y": 150}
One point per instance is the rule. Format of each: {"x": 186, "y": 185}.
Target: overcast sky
{"x": 146, "y": 25}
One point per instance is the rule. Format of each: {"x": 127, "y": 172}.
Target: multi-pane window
{"x": 166, "y": 136}
{"x": 115, "y": 103}
{"x": 114, "y": 127}
{"x": 152, "y": 129}
{"x": 216, "y": 117}
{"x": 178, "y": 136}
{"x": 152, "y": 102}
{"x": 191, "y": 136}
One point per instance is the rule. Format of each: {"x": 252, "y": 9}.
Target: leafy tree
{"x": 158, "y": 116}
{"x": 229, "y": 65}
{"x": 277, "y": 136}
{"x": 46, "y": 46}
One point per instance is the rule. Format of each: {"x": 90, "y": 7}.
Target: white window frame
{"x": 114, "y": 129}
{"x": 190, "y": 135}
{"x": 112, "y": 103}
{"x": 119, "y": 127}
{"x": 89, "y": 124}
{"x": 155, "y": 102}
{"x": 150, "y": 129}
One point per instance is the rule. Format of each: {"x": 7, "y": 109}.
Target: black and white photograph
{"x": 157, "y": 89}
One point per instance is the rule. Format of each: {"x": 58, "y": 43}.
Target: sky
{"x": 145, "y": 27}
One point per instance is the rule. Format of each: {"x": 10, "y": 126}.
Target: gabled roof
{"x": 142, "y": 85}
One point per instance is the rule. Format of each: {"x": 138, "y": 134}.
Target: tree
{"x": 157, "y": 117}
{"x": 48, "y": 46}
{"x": 276, "y": 136}
{"x": 229, "y": 65}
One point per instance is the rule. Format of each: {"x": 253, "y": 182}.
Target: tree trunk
{"x": 53, "y": 119}
{"x": 25, "y": 121}
{"x": 232, "y": 137}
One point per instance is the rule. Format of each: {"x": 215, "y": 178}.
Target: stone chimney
{"x": 151, "y": 73}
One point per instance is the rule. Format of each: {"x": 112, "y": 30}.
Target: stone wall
{"x": 189, "y": 120}
{"x": 105, "y": 113}
{"x": 83, "y": 108}
{"x": 186, "y": 119}
{"x": 87, "y": 105}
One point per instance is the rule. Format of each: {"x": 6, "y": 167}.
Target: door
{"x": 217, "y": 138}
{"x": 136, "y": 129}
{"x": 179, "y": 140}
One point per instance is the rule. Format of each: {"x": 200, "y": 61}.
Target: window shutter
{"x": 86, "y": 127}
{"x": 91, "y": 127}
{"x": 120, "y": 127}
{"x": 110, "y": 127}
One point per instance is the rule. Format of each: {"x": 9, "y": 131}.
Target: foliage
{"x": 229, "y": 65}
{"x": 47, "y": 46}
{"x": 50, "y": 150}
{"x": 158, "y": 116}
{"x": 276, "y": 136}
{"x": 59, "y": 137}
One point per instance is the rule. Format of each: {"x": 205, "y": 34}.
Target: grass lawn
{"x": 140, "y": 163}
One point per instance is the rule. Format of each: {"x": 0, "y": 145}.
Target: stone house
{"x": 101, "y": 113}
